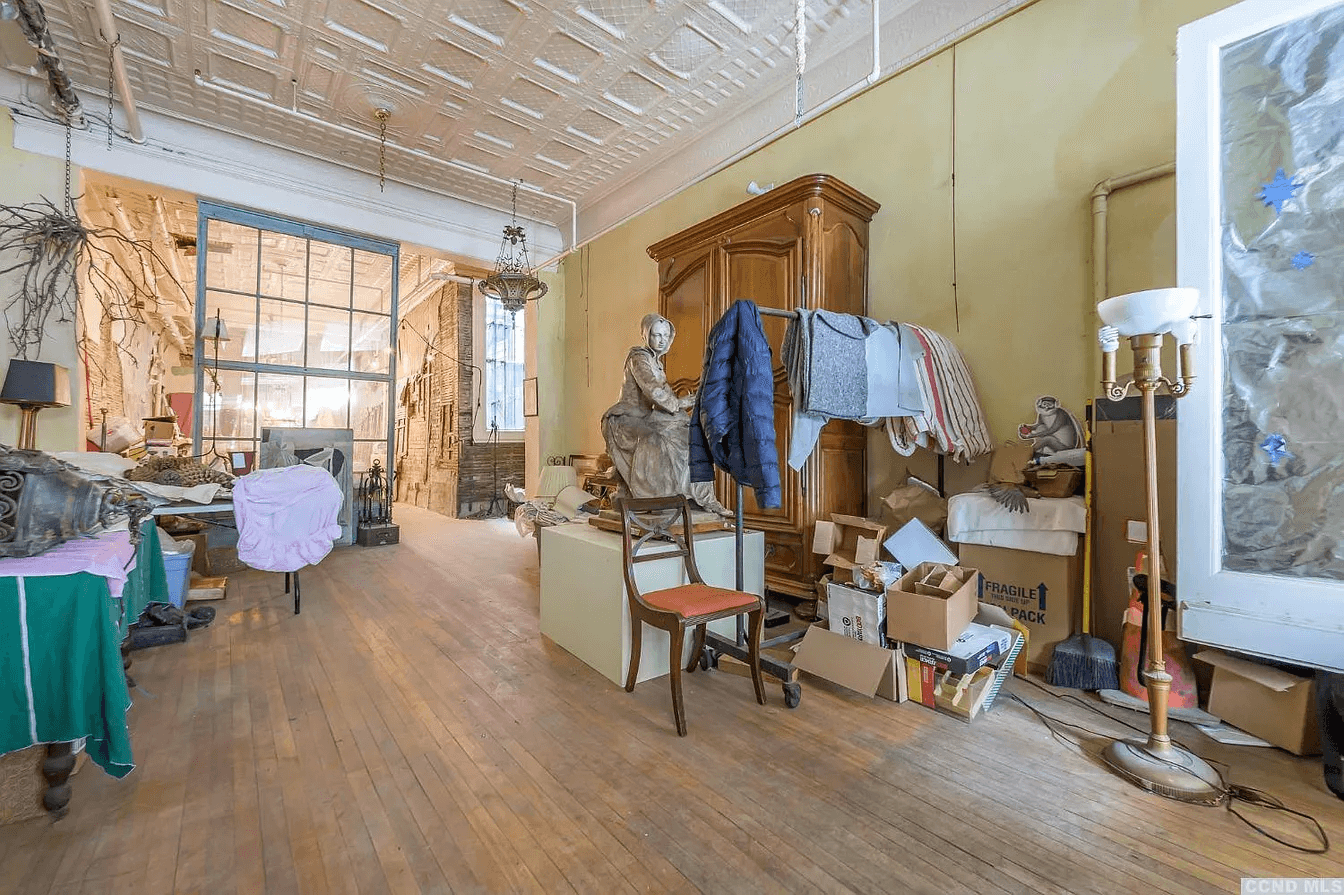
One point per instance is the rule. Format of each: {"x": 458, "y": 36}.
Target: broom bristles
{"x": 1083, "y": 662}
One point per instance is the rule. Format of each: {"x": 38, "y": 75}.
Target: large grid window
{"x": 503, "y": 367}
{"x": 309, "y": 316}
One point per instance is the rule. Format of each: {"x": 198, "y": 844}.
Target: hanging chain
{"x": 382, "y": 116}
{"x": 111, "y": 63}
{"x": 69, "y": 205}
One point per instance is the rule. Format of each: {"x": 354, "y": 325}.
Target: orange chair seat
{"x": 690, "y": 600}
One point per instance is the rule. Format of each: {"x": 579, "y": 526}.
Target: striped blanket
{"x": 953, "y": 422}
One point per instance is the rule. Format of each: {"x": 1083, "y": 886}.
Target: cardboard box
{"x": 962, "y": 696}
{"x": 932, "y": 604}
{"x": 1040, "y": 590}
{"x": 978, "y": 646}
{"x": 160, "y": 428}
{"x": 855, "y": 613}
{"x": 1118, "y": 499}
{"x": 861, "y": 667}
{"x": 1277, "y": 706}
{"x": 915, "y": 543}
{"x": 848, "y": 541}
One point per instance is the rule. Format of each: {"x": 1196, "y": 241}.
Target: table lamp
{"x": 1157, "y": 764}
{"x": 33, "y": 385}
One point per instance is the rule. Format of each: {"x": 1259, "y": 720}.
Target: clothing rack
{"x": 737, "y": 648}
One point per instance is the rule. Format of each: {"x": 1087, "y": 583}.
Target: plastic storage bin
{"x": 178, "y": 568}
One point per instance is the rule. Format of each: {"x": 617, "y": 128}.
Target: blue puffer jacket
{"x": 733, "y": 424}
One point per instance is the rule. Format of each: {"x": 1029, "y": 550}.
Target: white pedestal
{"x": 584, "y": 606}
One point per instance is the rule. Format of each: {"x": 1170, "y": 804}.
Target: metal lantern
{"x": 513, "y": 282}
{"x": 375, "y": 509}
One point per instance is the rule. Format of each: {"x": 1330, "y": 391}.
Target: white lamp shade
{"x": 555, "y": 479}
{"x": 1149, "y": 311}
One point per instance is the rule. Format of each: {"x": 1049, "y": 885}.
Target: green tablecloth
{"x": 148, "y": 581}
{"x": 64, "y": 680}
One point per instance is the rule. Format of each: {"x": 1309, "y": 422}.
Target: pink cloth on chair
{"x": 286, "y": 517}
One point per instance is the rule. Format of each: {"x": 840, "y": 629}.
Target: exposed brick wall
{"x": 438, "y": 466}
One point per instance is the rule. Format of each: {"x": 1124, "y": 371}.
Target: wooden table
{"x": 62, "y": 664}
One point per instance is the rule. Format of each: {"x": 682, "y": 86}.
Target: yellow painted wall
{"x": 29, "y": 178}
{"x": 1031, "y": 114}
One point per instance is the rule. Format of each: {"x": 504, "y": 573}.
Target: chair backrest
{"x": 655, "y": 520}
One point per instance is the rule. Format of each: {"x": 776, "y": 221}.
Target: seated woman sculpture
{"x": 648, "y": 430}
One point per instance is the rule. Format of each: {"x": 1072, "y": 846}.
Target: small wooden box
{"x": 378, "y": 535}
{"x": 202, "y": 588}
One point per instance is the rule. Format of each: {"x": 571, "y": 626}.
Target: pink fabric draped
{"x": 109, "y": 555}
{"x": 286, "y": 517}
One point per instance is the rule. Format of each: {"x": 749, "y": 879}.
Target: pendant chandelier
{"x": 512, "y": 282}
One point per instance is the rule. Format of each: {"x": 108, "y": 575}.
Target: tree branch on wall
{"x": 49, "y": 251}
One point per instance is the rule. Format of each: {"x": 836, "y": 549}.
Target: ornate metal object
{"x": 374, "y": 500}
{"x": 45, "y": 502}
{"x": 512, "y": 282}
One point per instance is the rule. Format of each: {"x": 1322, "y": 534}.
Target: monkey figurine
{"x": 1055, "y": 429}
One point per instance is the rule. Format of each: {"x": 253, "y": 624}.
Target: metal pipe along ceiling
{"x": 113, "y": 38}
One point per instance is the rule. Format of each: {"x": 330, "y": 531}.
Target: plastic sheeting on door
{"x": 1282, "y": 307}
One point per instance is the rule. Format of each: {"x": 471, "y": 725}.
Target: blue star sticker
{"x": 1275, "y": 445}
{"x": 1303, "y": 260}
{"x": 1278, "y": 191}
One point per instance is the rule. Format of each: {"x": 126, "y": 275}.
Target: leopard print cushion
{"x": 185, "y": 472}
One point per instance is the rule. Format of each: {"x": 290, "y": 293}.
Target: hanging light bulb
{"x": 512, "y": 282}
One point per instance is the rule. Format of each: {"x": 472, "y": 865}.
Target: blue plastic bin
{"x": 178, "y": 568}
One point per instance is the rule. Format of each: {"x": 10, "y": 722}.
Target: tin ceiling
{"x": 606, "y": 104}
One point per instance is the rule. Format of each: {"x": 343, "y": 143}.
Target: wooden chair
{"x": 668, "y": 519}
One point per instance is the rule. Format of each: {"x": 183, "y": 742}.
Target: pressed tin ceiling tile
{"x": 371, "y": 25}
{"x": 577, "y": 98}
{"x": 241, "y": 28}
{"x": 453, "y": 62}
{"x": 567, "y": 57}
{"x": 244, "y": 76}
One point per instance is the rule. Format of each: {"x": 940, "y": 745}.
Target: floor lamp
{"x": 1157, "y": 764}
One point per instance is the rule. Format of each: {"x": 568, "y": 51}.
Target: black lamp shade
{"x": 36, "y": 384}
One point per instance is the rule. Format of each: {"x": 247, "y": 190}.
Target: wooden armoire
{"x": 803, "y": 244}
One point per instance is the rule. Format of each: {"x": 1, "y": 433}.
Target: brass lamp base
{"x": 1166, "y": 769}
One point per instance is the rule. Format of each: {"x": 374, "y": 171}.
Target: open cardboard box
{"x": 962, "y": 696}
{"x": 848, "y": 541}
{"x": 932, "y": 604}
{"x": 861, "y": 667}
{"x": 1277, "y": 706}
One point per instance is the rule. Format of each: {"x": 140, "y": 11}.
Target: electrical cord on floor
{"x": 1229, "y": 794}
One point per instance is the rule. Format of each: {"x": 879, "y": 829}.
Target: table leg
{"x": 56, "y": 767}
{"x": 126, "y": 660}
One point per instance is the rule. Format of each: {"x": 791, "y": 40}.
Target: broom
{"x": 1084, "y": 662}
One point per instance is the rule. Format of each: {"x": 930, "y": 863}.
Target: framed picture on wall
{"x": 530, "y": 397}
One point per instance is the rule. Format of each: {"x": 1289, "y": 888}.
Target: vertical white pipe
{"x": 877, "y": 42}
{"x": 112, "y": 36}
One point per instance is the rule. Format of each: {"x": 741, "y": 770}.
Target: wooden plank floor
{"x": 411, "y": 731}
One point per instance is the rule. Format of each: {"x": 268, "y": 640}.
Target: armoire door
{"x": 1260, "y": 458}
{"x": 768, "y": 268}
{"x": 687, "y": 291}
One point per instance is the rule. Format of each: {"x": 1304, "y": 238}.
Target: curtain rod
{"x": 776, "y": 312}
